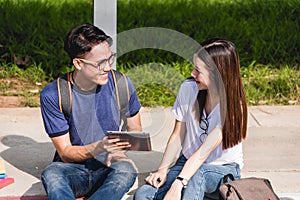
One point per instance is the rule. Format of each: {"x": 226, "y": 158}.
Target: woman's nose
{"x": 193, "y": 74}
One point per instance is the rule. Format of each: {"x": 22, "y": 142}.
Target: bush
{"x": 266, "y": 34}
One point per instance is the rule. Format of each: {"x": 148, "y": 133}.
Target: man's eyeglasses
{"x": 101, "y": 65}
{"x": 204, "y": 126}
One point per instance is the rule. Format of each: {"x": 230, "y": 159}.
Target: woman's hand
{"x": 174, "y": 193}
{"x": 158, "y": 178}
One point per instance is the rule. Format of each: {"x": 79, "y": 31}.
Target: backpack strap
{"x": 122, "y": 95}
{"x": 65, "y": 94}
{"x": 227, "y": 178}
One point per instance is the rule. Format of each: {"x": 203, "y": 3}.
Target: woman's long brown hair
{"x": 221, "y": 56}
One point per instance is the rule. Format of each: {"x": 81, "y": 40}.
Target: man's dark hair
{"x": 81, "y": 39}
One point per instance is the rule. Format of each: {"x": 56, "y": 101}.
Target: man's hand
{"x": 109, "y": 145}
{"x": 115, "y": 149}
{"x": 113, "y": 145}
{"x": 117, "y": 156}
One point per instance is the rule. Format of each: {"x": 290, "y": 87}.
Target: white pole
{"x": 105, "y": 17}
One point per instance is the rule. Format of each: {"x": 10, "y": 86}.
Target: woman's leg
{"x": 150, "y": 192}
{"x": 208, "y": 179}
{"x": 146, "y": 192}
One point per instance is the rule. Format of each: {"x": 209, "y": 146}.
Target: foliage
{"x": 263, "y": 30}
{"x": 33, "y": 31}
{"x": 266, "y": 34}
{"x": 269, "y": 85}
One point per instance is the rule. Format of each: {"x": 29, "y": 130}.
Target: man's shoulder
{"x": 49, "y": 89}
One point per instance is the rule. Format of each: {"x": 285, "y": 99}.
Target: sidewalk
{"x": 271, "y": 149}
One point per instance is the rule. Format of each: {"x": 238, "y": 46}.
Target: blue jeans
{"x": 90, "y": 179}
{"x": 204, "y": 184}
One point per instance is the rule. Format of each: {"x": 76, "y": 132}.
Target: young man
{"x": 87, "y": 163}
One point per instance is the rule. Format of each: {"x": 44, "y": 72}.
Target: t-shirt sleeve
{"x": 181, "y": 104}
{"x": 134, "y": 104}
{"x": 54, "y": 121}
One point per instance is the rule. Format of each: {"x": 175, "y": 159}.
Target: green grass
{"x": 36, "y": 29}
{"x": 271, "y": 86}
{"x": 158, "y": 84}
{"x": 22, "y": 83}
{"x": 266, "y": 34}
{"x": 264, "y": 30}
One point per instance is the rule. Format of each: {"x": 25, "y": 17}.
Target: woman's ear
{"x": 76, "y": 63}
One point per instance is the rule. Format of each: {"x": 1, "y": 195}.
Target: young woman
{"x": 211, "y": 121}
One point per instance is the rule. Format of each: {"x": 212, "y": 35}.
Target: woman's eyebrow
{"x": 197, "y": 68}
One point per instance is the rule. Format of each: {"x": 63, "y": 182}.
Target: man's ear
{"x": 76, "y": 63}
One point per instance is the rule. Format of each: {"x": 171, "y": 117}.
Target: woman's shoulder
{"x": 189, "y": 85}
{"x": 188, "y": 91}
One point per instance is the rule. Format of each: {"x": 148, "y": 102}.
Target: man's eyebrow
{"x": 105, "y": 58}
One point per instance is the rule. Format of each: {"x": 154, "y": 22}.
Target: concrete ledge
{"x": 28, "y": 198}
{"x": 270, "y": 150}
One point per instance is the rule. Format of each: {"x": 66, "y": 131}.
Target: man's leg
{"x": 121, "y": 176}
{"x": 65, "y": 180}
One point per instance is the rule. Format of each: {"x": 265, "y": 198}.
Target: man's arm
{"x": 70, "y": 153}
{"x": 134, "y": 123}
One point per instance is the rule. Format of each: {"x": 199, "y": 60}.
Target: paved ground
{"x": 271, "y": 149}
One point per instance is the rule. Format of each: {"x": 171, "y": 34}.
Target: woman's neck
{"x": 211, "y": 101}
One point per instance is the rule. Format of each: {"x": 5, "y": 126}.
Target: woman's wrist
{"x": 162, "y": 169}
{"x": 182, "y": 180}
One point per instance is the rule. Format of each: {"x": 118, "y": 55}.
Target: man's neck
{"x": 81, "y": 82}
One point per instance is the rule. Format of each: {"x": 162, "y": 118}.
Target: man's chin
{"x": 102, "y": 81}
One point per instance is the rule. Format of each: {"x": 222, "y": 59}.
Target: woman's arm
{"x": 213, "y": 140}
{"x": 173, "y": 148}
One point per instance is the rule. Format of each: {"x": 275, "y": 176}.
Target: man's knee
{"x": 125, "y": 167}
{"x": 124, "y": 174}
{"x": 52, "y": 174}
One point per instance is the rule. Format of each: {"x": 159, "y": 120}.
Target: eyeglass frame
{"x": 99, "y": 63}
{"x": 204, "y": 135}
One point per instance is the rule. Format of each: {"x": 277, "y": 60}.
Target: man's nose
{"x": 107, "y": 66}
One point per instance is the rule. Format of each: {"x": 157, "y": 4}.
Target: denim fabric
{"x": 92, "y": 179}
{"x": 206, "y": 181}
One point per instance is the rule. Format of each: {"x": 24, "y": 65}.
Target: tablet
{"x": 139, "y": 141}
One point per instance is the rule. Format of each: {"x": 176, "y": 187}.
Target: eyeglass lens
{"x": 102, "y": 64}
{"x": 204, "y": 126}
